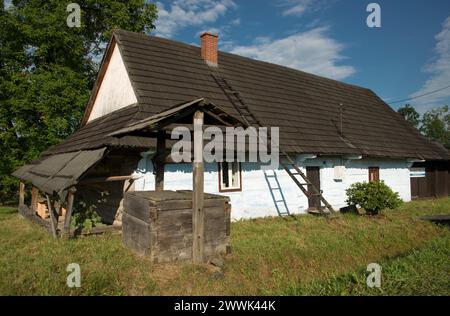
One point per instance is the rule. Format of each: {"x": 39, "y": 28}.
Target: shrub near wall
{"x": 373, "y": 197}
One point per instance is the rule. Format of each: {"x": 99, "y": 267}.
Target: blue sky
{"x": 408, "y": 56}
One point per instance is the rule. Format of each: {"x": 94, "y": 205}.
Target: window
{"x": 230, "y": 177}
{"x": 374, "y": 174}
{"x": 339, "y": 172}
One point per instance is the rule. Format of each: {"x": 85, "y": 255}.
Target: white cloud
{"x": 183, "y": 13}
{"x": 439, "y": 70}
{"x": 296, "y": 7}
{"x": 212, "y": 30}
{"x": 312, "y": 51}
{"x": 236, "y": 22}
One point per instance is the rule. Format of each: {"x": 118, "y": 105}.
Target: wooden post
{"x": 198, "y": 194}
{"x": 54, "y": 223}
{"x": 69, "y": 208}
{"x": 34, "y": 199}
{"x": 21, "y": 194}
{"x": 159, "y": 163}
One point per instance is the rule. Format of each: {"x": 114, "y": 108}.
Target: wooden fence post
{"x": 159, "y": 162}
{"x": 54, "y": 222}
{"x": 68, "y": 217}
{"x": 21, "y": 194}
{"x": 34, "y": 199}
{"x": 198, "y": 194}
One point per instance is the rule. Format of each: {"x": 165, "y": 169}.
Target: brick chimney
{"x": 209, "y": 48}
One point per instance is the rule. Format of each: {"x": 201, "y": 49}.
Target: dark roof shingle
{"x": 306, "y": 107}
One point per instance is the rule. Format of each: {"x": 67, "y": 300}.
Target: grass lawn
{"x": 299, "y": 255}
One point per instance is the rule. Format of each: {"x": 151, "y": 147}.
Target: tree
{"x": 410, "y": 114}
{"x": 436, "y": 125}
{"x": 47, "y": 70}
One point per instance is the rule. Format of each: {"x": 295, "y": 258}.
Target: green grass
{"x": 299, "y": 255}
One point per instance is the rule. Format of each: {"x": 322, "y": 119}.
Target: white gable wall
{"x": 255, "y": 199}
{"x": 115, "y": 91}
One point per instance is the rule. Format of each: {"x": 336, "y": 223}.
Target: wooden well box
{"x": 159, "y": 225}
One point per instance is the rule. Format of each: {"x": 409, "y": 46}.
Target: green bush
{"x": 84, "y": 215}
{"x": 373, "y": 197}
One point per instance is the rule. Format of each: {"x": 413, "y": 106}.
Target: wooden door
{"x": 419, "y": 188}
{"x": 313, "y": 175}
{"x": 374, "y": 174}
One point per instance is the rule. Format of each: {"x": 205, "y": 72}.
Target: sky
{"x": 408, "y": 56}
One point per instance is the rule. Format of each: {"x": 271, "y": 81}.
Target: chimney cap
{"x": 209, "y": 33}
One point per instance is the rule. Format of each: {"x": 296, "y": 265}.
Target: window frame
{"x": 376, "y": 171}
{"x": 231, "y": 189}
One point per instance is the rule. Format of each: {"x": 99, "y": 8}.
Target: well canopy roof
{"x": 56, "y": 173}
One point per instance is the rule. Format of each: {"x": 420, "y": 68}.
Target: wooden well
{"x": 159, "y": 225}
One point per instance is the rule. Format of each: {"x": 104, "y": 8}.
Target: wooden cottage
{"x": 332, "y": 134}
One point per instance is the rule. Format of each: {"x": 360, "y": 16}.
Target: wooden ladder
{"x": 277, "y": 193}
{"x": 308, "y": 188}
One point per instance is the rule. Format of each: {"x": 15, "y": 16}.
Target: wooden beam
{"x": 198, "y": 191}
{"x": 68, "y": 217}
{"x": 129, "y": 185}
{"x": 21, "y": 193}
{"x": 169, "y": 128}
{"x": 107, "y": 179}
{"x": 159, "y": 164}
{"x": 34, "y": 199}
{"x": 53, "y": 219}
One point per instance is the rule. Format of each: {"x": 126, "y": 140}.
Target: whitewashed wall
{"x": 255, "y": 199}
{"x": 115, "y": 91}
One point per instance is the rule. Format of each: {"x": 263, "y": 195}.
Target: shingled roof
{"x": 306, "y": 107}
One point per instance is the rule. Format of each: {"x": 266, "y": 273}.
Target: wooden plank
{"x": 138, "y": 207}
{"x": 198, "y": 192}
{"x": 21, "y": 194}
{"x": 68, "y": 216}
{"x": 159, "y": 165}
{"x": 183, "y": 204}
{"x": 107, "y": 179}
{"x": 34, "y": 199}
{"x": 54, "y": 221}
